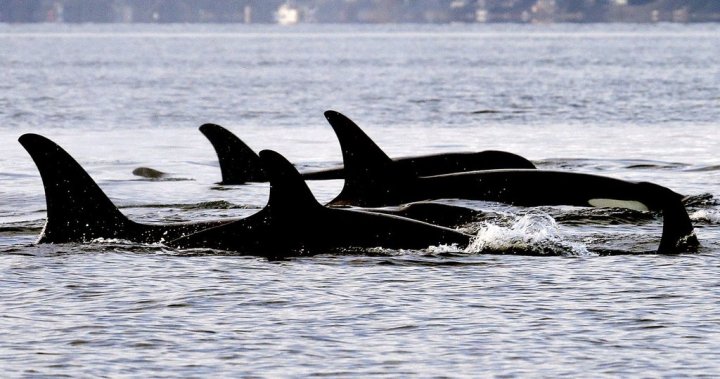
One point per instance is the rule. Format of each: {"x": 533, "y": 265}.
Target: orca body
{"x": 79, "y": 211}
{"x": 293, "y": 221}
{"x": 374, "y": 181}
{"x": 434, "y": 213}
{"x": 239, "y": 163}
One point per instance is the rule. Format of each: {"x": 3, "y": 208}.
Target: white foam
{"x": 111, "y": 241}
{"x": 444, "y": 249}
{"x": 704, "y": 215}
{"x": 538, "y": 233}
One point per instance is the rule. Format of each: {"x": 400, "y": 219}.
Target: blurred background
{"x": 360, "y": 11}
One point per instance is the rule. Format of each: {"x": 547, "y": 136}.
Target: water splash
{"x": 444, "y": 249}
{"x": 531, "y": 234}
{"x": 705, "y": 216}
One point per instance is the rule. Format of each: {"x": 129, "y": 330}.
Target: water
{"x": 632, "y": 102}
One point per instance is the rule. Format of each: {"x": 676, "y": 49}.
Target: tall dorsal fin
{"x": 360, "y": 153}
{"x": 77, "y": 209}
{"x": 238, "y": 162}
{"x": 368, "y": 169}
{"x": 288, "y": 191}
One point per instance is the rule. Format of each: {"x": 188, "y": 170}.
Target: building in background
{"x": 358, "y": 11}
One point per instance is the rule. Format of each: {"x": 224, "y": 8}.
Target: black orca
{"x": 293, "y": 221}
{"x": 239, "y": 163}
{"x": 375, "y": 182}
{"x": 79, "y": 211}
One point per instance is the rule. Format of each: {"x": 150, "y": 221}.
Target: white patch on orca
{"x": 615, "y": 203}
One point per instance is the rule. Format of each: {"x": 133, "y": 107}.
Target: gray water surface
{"x": 630, "y": 102}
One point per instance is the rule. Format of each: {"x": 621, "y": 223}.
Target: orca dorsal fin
{"x": 367, "y": 169}
{"x": 288, "y": 190}
{"x": 238, "y": 162}
{"x": 360, "y": 153}
{"x": 77, "y": 209}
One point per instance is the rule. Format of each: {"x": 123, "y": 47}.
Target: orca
{"x": 291, "y": 223}
{"x": 294, "y": 222}
{"x": 376, "y": 182}
{"x": 240, "y": 164}
{"x": 79, "y": 211}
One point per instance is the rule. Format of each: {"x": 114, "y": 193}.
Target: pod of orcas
{"x": 293, "y": 222}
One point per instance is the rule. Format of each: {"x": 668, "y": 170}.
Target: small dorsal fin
{"x": 238, "y": 162}
{"x": 77, "y": 209}
{"x": 368, "y": 170}
{"x": 288, "y": 191}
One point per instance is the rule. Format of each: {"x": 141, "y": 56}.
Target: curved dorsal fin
{"x": 77, "y": 209}
{"x": 288, "y": 191}
{"x": 368, "y": 170}
{"x": 360, "y": 153}
{"x": 238, "y": 162}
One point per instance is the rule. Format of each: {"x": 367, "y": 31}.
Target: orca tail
{"x": 238, "y": 162}
{"x": 678, "y": 234}
{"x": 368, "y": 170}
{"x": 77, "y": 209}
{"x": 288, "y": 191}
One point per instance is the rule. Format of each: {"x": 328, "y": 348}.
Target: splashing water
{"x": 706, "y": 216}
{"x": 533, "y": 234}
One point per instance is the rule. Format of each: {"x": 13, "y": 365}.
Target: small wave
{"x": 701, "y": 200}
{"x": 610, "y": 164}
{"x": 532, "y": 234}
{"x": 425, "y": 101}
{"x": 22, "y": 227}
{"x": 444, "y": 249}
{"x": 704, "y": 168}
{"x": 705, "y": 216}
{"x": 485, "y": 111}
{"x": 111, "y": 241}
{"x": 218, "y": 204}
{"x": 602, "y": 216}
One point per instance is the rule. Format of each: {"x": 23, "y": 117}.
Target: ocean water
{"x": 627, "y": 101}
